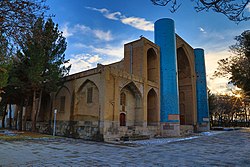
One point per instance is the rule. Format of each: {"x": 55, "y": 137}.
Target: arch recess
{"x": 87, "y": 102}
{"x": 131, "y": 106}
{"x": 152, "y": 74}
{"x": 152, "y": 108}
{"x": 186, "y": 85}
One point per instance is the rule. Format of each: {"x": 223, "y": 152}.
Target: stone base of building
{"x": 113, "y": 131}
{"x": 186, "y": 130}
{"x": 170, "y": 129}
{"x": 203, "y": 127}
{"x": 87, "y": 130}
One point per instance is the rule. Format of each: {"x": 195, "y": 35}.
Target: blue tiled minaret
{"x": 201, "y": 89}
{"x": 165, "y": 38}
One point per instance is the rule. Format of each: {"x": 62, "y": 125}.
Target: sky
{"x": 96, "y": 31}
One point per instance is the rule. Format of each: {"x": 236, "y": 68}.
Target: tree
{"x": 44, "y": 54}
{"x": 212, "y": 105}
{"x": 237, "y": 67}
{"x": 18, "y": 16}
{"x": 4, "y": 62}
{"x": 17, "y": 90}
{"x": 232, "y": 9}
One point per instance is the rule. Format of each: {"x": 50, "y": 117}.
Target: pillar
{"x": 201, "y": 91}
{"x": 165, "y": 38}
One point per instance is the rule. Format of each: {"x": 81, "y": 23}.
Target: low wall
{"x": 87, "y": 130}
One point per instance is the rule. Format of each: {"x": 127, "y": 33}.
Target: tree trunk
{"x": 25, "y": 119}
{"x": 245, "y": 112}
{"x": 33, "y": 114}
{"x": 20, "y": 117}
{"x": 39, "y": 105}
{"x": 4, "y": 114}
{"x": 10, "y": 121}
{"x": 211, "y": 120}
{"x": 15, "y": 119}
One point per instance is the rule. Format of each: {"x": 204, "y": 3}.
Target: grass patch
{"x": 16, "y": 135}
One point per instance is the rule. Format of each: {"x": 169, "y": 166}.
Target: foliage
{"x": 233, "y": 10}
{"x": 5, "y": 62}
{"x": 39, "y": 66}
{"x": 211, "y": 101}
{"x": 44, "y": 54}
{"x": 16, "y": 20}
{"x": 44, "y": 51}
{"x": 228, "y": 110}
{"x": 237, "y": 68}
{"x": 17, "y": 17}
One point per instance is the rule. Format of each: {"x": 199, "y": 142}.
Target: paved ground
{"x": 230, "y": 148}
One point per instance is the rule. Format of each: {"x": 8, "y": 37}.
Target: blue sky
{"x": 96, "y": 30}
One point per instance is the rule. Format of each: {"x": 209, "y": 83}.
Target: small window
{"x": 62, "y": 104}
{"x": 90, "y": 95}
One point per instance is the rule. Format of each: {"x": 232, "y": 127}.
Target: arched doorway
{"x": 122, "y": 119}
{"x": 185, "y": 82}
{"x": 131, "y": 106}
{"x": 152, "y": 109}
{"x": 152, "y": 65}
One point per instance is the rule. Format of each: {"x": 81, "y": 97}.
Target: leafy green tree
{"x": 44, "y": 52}
{"x": 232, "y": 9}
{"x": 237, "y": 68}
{"x": 18, "y": 90}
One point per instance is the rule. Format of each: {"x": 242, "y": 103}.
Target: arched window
{"x": 123, "y": 101}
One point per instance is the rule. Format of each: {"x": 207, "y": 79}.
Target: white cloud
{"x": 82, "y": 28}
{"x": 106, "y": 36}
{"x": 106, "y": 13}
{"x": 136, "y": 22}
{"x": 113, "y": 16}
{"x": 99, "y": 10}
{"x": 105, "y": 55}
{"x": 113, "y": 51}
{"x": 78, "y": 45}
{"x": 66, "y": 32}
{"x": 248, "y": 7}
{"x": 217, "y": 85}
{"x": 139, "y": 23}
{"x": 202, "y": 30}
{"x": 82, "y": 62}
{"x": 94, "y": 59}
{"x": 79, "y": 28}
{"x": 79, "y": 63}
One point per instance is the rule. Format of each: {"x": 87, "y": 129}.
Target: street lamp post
{"x": 54, "y": 129}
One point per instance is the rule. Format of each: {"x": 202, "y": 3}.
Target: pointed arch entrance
{"x": 131, "y": 113}
{"x": 186, "y": 93}
{"x": 152, "y": 108}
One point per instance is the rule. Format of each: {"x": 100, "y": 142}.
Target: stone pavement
{"x": 231, "y": 148}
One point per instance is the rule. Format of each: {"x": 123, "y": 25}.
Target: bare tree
{"x": 17, "y": 17}
{"x": 232, "y": 9}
